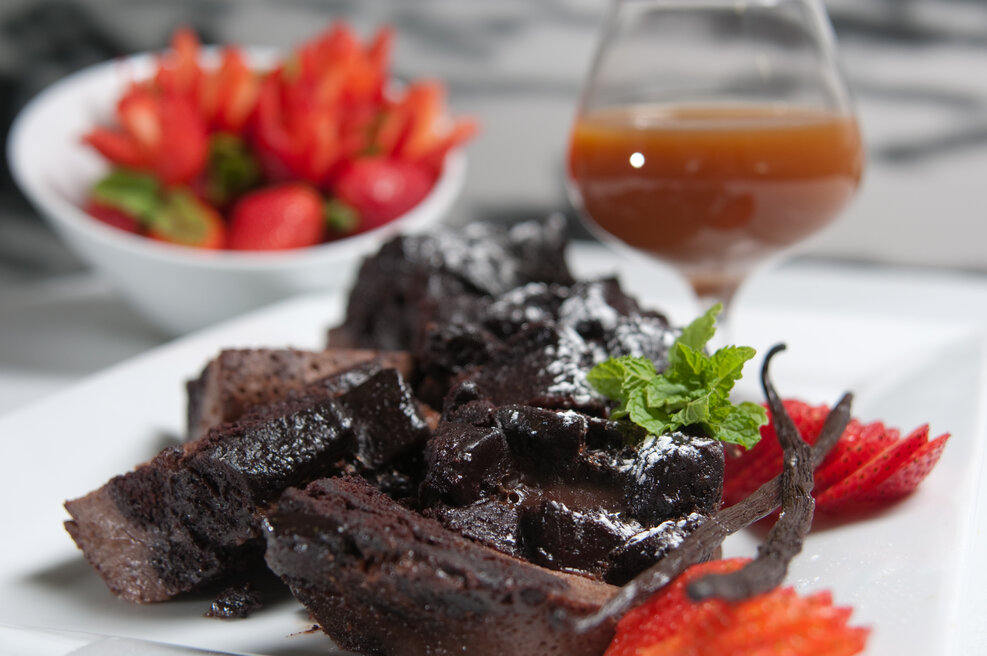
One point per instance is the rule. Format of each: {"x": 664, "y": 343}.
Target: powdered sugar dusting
{"x": 669, "y": 534}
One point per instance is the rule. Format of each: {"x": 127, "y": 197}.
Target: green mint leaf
{"x": 742, "y": 425}
{"x": 698, "y": 333}
{"x": 686, "y": 365}
{"x": 726, "y": 367}
{"x": 694, "y": 413}
{"x": 617, "y": 377}
{"x": 608, "y": 378}
{"x": 652, "y": 419}
{"x": 663, "y": 392}
{"x": 693, "y": 392}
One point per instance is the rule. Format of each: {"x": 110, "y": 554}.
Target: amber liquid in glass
{"x": 714, "y": 190}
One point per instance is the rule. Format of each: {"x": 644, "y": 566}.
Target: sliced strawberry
{"x": 907, "y": 477}
{"x": 665, "y": 613}
{"x": 185, "y": 220}
{"x": 857, "y": 446}
{"x": 235, "y": 88}
{"x": 778, "y": 623}
{"x": 184, "y": 148}
{"x": 869, "y": 464}
{"x": 461, "y": 132}
{"x": 277, "y": 218}
{"x": 874, "y": 472}
{"x": 115, "y": 146}
{"x": 179, "y": 71}
{"x": 381, "y": 189}
{"x": 112, "y": 216}
{"x": 163, "y": 135}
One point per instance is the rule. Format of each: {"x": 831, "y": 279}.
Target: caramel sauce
{"x": 707, "y": 187}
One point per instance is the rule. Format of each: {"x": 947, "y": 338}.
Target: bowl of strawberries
{"x": 206, "y": 182}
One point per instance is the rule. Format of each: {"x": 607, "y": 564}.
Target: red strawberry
{"x": 907, "y": 477}
{"x": 858, "y": 444}
{"x": 277, "y": 218}
{"x": 862, "y": 482}
{"x": 112, "y": 216}
{"x": 159, "y": 134}
{"x": 869, "y": 464}
{"x": 381, "y": 189}
{"x": 778, "y": 623}
{"x": 666, "y": 612}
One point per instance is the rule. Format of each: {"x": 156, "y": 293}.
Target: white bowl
{"x": 178, "y": 289}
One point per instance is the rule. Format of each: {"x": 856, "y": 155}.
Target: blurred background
{"x": 918, "y": 69}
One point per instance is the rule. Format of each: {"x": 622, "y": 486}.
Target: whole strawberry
{"x": 278, "y": 218}
{"x": 380, "y": 189}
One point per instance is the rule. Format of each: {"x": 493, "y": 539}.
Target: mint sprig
{"x": 692, "y": 393}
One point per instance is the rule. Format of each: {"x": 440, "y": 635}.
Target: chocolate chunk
{"x": 493, "y": 522}
{"x": 571, "y": 539}
{"x": 673, "y": 475}
{"x": 465, "y": 463}
{"x": 236, "y": 602}
{"x": 545, "y": 442}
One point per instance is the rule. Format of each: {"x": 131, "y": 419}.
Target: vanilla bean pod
{"x": 702, "y": 542}
{"x": 786, "y": 537}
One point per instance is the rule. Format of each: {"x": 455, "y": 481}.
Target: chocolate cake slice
{"x": 381, "y": 579}
{"x": 192, "y": 514}
{"x": 238, "y": 379}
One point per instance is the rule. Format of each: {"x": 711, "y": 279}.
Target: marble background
{"x": 918, "y": 69}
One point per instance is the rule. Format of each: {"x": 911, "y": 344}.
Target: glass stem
{"x": 723, "y": 295}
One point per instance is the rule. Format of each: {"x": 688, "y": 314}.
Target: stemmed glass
{"x": 714, "y": 134}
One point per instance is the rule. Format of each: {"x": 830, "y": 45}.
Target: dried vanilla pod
{"x": 785, "y": 539}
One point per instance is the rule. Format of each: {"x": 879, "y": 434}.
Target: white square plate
{"x": 910, "y": 571}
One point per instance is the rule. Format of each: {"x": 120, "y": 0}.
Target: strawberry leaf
{"x": 133, "y": 193}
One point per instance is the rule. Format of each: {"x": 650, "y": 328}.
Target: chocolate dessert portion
{"x": 486, "y": 524}
{"x": 382, "y": 579}
{"x": 192, "y": 514}
{"x": 239, "y": 379}
{"x": 417, "y": 280}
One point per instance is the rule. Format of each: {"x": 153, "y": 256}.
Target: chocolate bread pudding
{"x": 524, "y": 463}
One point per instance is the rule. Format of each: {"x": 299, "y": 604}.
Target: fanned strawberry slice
{"x": 870, "y": 464}
{"x": 778, "y": 623}
{"x": 907, "y": 477}
{"x": 873, "y": 473}
{"x": 858, "y": 444}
